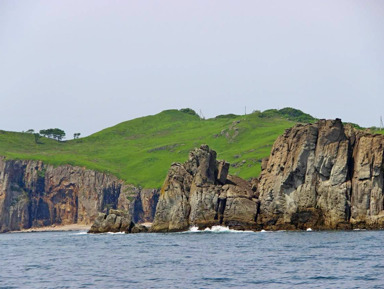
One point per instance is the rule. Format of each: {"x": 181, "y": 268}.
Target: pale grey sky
{"x": 86, "y": 65}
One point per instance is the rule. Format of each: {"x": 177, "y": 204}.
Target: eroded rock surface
{"x": 33, "y": 194}
{"x": 114, "y": 221}
{"x": 321, "y": 176}
{"x": 324, "y": 176}
{"x": 200, "y": 193}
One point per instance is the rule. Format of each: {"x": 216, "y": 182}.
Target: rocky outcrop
{"x": 130, "y": 220}
{"x": 200, "y": 193}
{"x": 115, "y": 221}
{"x": 33, "y": 194}
{"x": 323, "y": 176}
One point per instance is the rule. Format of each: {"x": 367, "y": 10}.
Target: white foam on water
{"x": 194, "y": 229}
{"x": 309, "y": 230}
{"x": 81, "y": 233}
{"x": 218, "y": 229}
{"x": 263, "y": 231}
{"x": 215, "y": 229}
{"x": 117, "y": 233}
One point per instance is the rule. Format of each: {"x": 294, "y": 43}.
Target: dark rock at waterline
{"x": 139, "y": 229}
{"x": 115, "y": 221}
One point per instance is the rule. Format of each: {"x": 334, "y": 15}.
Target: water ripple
{"x": 218, "y": 258}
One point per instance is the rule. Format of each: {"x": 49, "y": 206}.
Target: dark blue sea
{"x": 223, "y": 259}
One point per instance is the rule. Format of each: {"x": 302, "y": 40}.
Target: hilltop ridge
{"x": 139, "y": 151}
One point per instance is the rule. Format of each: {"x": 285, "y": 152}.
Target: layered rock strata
{"x": 323, "y": 176}
{"x": 33, "y": 194}
{"x": 200, "y": 193}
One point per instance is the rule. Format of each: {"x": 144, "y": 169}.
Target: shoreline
{"x": 55, "y": 228}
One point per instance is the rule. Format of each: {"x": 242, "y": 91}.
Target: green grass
{"x": 140, "y": 151}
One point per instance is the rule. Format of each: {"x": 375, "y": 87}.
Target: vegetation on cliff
{"x": 141, "y": 150}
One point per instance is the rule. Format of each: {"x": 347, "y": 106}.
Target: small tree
{"x": 30, "y": 131}
{"x": 76, "y": 135}
{"x": 58, "y": 134}
{"x": 44, "y": 132}
{"x": 54, "y": 133}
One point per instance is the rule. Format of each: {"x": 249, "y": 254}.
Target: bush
{"x": 290, "y": 114}
{"x": 189, "y": 111}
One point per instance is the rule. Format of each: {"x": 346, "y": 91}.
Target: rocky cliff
{"x": 33, "y": 194}
{"x": 323, "y": 176}
{"x": 319, "y": 176}
{"x": 200, "y": 193}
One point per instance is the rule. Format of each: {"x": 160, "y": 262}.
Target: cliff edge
{"x": 324, "y": 176}
{"x": 33, "y": 194}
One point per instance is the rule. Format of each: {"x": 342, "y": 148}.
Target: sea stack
{"x": 201, "y": 193}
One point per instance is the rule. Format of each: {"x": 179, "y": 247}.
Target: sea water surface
{"x": 219, "y": 258}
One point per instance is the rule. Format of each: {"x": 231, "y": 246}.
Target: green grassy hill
{"x": 140, "y": 151}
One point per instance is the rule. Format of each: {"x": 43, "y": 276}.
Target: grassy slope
{"x": 140, "y": 151}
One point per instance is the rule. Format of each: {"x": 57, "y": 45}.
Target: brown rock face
{"x": 323, "y": 176}
{"x": 200, "y": 193}
{"x": 33, "y": 194}
{"x": 367, "y": 197}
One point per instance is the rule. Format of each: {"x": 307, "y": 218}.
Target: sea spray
{"x": 215, "y": 229}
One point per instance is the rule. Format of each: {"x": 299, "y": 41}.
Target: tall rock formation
{"x": 367, "y": 199}
{"x": 33, "y": 194}
{"x": 323, "y": 176}
{"x": 200, "y": 193}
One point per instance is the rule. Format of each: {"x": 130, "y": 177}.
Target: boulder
{"x": 139, "y": 229}
{"x": 115, "y": 221}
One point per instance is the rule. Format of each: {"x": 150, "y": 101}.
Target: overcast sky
{"x": 86, "y": 65}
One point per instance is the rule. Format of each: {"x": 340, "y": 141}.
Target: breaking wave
{"x": 215, "y": 229}
{"x": 81, "y": 233}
